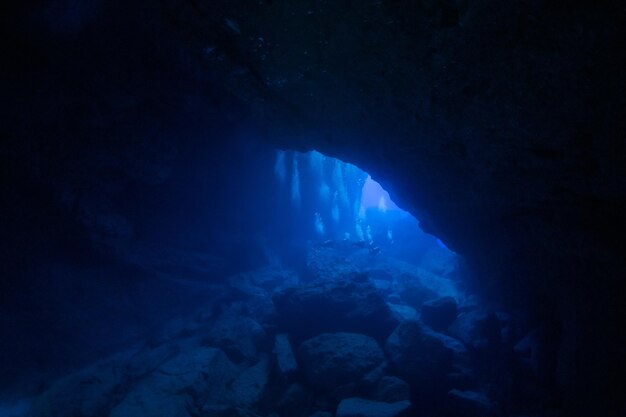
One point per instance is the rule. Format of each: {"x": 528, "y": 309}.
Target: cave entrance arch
{"x": 335, "y": 203}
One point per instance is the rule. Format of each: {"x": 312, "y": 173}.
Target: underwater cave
{"x": 299, "y": 208}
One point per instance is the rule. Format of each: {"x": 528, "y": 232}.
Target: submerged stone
{"x": 440, "y": 313}
{"x": 391, "y": 389}
{"x": 469, "y": 404}
{"x": 348, "y": 304}
{"x": 331, "y": 360}
{"x": 295, "y": 401}
{"x": 285, "y": 358}
{"x": 359, "y": 407}
{"x": 372, "y": 377}
{"x": 403, "y": 312}
{"x": 177, "y": 385}
{"x": 88, "y": 392}
{"x": 479, "y": 329}
{"x": 321, "y": 414}
{"x": 423, "y": 357}
{"x": 238, "y": 336}
{"x": 249, "y": 386}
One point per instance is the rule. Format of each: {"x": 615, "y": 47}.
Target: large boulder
{"x": 440, "y": 313}
{"x": 479, "y": 329}
{"x": 403, "y": 312}
{"x": 88, "y": 392}
{"x": 413, "y": 285}
{"x": 330, "y": 260}
{"x": 192, "y": 380}
{"x": 537, "y": 352}
{"x": 359, "y": 407}
{"x": 92, "y": 391}
{"x": 392, "y": 389}
{"x": 285, "y": 358}
{"x": 321, "y": 414}
{"x": 468, "y": 404}
{"x": 348, "y": 304}
{"x": 257, "y": 286}
{"x": 146, "y": 360}
{"x": 240, "y": 337}
{"x": 296, "y": 401}
{"x": 156, "y": 397}
{"x": 331, "y": 360}
{"x": 264, "y": 280}
{"x": 249, "y": 386}
{"x": 423, "y": 357}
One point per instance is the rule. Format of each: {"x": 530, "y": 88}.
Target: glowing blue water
{"x": 295, "y": 184}
{"x": 338, "y": 201}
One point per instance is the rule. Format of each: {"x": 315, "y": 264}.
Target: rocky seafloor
{"x": 353, "y": 335}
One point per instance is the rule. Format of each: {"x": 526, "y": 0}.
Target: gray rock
{"x": 156, "y": 397}
{"x": 285, "y": 358}
{"x": 295, "y": 401}
{"x": 479, "y": 329}
{"x": 469, "y": 404}
{"x": 257, "y": 286}
{"x": 334, "y": 359}
{"x": 344, "y": 391}
{"x": 462, "y": 379}
{"x": 359, "y": 407}
{"x": 88, "y": 392}
{"x": 460, "y": 354}
{"x": 403, "y": 312}
{"x": 414, "y": 285}
{"x": 372, "y": 377}
{"x": 204, "y": 373}
{"x": 179, "y": 327}
{"x": 238, "y": 336}
{"x": 424, "y": 357}
{"x": 392, "y": 389}
{"x": 326, "y": 263}
{"x": 321, "y": 414}
{"x": 264, "y": 280}
{"x": 348, "y": 304}
{"x": 440, "y": 313}
{"x": 212, "y": 410}
{"x": 249, "y": 386}
{"x": 146, "y": 361}
{"x": 536, "y": 351}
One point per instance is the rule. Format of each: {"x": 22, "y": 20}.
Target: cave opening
{"x": 158, "y": 255}
{"x": 336, "y": 204}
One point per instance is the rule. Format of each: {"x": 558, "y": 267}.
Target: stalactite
{"x": 339, "y": 184}
{"x": 335, "y": 209}
{"x": 280, "y": 167}
{"x": 316, "y": 164}
{"x": 358, "y": 228}
{"x": 319, "y": 225}
{"x": 295, "y": 183}
{"x": 324, "y": 193}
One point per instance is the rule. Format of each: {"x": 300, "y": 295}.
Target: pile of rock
{"x": 280, "y": 347}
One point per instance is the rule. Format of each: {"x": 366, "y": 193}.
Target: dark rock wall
{"x": 499, "y": 124}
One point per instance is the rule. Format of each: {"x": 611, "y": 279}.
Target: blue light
{"x": 373, "y": 195}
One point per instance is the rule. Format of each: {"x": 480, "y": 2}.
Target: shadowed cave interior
{"x": 312, "y": 208}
